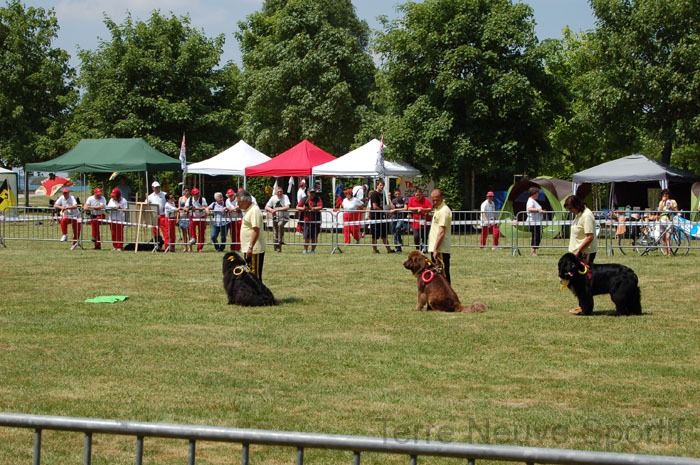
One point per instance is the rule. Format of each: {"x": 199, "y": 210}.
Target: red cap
{"x": 489, "y": 194}
{"x": 230, "y": 192}
{"x": 65, "y": 189}
{"x": 348, "y": 191}
{"x": 116, "y": 192}
{"x": 98, "y": 191}
{"x": 240, "y": 189}
{"x": 195, "y": 191}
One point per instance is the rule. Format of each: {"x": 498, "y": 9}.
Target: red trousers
{"x": 75, "y": 226}
{"x": 493, "y": 228}
{"x": 168, "y": 227}
{"x": 236, "y": 234}
{"x": 117, "y": 235}
{"x": 352, "y": 230}
{"x": 95, "y": 222}
{"x": 198, "y": 227}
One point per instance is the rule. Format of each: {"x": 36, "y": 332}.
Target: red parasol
{"x": 50, "y": 186}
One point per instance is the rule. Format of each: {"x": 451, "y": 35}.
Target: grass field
{"x": 345, "y": 354}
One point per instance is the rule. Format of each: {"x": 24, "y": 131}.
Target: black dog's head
{"x": 232, "y": 260}
{"x": 569, "y": 266}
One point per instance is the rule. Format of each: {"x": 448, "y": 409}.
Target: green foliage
{"x": 307, "y": 74}
{"x": 36, "y": 90}
{"x": 645, "y": 55}
{"x": 156, "y": 80}
{"x": 464, "y": 87}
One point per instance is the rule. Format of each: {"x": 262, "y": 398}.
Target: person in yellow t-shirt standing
{"x": 439, "y": 238}
{"x": 582, "y": 242}
{"x": 252, "y": 240}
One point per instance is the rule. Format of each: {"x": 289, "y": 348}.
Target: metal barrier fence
{"x": 635, "y": 231}
{"x": 301, "y": 441}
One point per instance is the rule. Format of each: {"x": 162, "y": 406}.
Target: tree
{"x": 466, "y": 90}
{"x": 36, "y": 85}
{"x": 306, "y": 74}
{"x": 647, "y": 53}
{"x": 156, "y": 80}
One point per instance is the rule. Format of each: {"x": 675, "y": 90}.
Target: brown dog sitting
{"x": 433, "y": 288}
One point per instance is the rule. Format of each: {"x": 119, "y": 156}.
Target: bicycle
{"x": 651, "y": 238}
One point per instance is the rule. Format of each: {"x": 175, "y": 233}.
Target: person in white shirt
{"x": 220, "y": 221}
{"x": 351, "y": 205}
{"x": 301, "y": 192}
{"x": 489, "y": 220}
{"x": 70, "y": 213}
{"x": 157, "y": 197}
{"x": 116, "y": 206}
{"x": 171, "y": 214}
{"x": 534, "y": 217}
{"x": 197, "y": 208}
{"x": 95, "y": 206}
{"x": 235, "y": 214}
{"x": 278, "y": 207}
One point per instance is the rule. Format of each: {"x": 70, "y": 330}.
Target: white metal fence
{"x": 642, "y": 232}
{"x": 301, "y": 441}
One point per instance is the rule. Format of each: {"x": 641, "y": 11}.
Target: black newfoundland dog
{"x": 617, "y": 280}
{"x": 242, "y": 286}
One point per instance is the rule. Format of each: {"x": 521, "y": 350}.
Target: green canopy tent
{"x": 108, "y": 156}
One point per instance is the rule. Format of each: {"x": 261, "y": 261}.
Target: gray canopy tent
{"x": 631, "y": 176}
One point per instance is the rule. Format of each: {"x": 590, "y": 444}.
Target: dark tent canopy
{"x": 107, "y": 156}
{"x": 633, "y": 175}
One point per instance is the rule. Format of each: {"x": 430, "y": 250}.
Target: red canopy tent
{"x": 296, "y": 161}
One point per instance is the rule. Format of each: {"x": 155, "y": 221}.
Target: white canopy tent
{"x": 364, "y": 161}
{"x": 233, "y": 161}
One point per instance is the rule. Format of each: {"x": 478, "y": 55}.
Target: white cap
{"x": 155, "y": 184}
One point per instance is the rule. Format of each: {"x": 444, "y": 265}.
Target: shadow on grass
{"x": 614, "y": 313}
{"x": 290, "y": 300}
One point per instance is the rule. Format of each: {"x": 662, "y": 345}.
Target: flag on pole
{"x": 380, "y": 159}
{"x": 7, "y": 199}
{"x": 183, "y": 155}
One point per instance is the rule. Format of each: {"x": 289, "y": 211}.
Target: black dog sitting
{"x": 242, "y": 286}
{"x": 617, "y": 280}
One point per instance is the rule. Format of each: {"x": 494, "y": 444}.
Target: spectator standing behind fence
{"x": 95, "y": 206}
{"x": 197, "y": 209}
{"x": 397, "y": 213}
{"x": 301, "y": 195}
{"x": 157, "y": 197}
{"x": 489, "y": 220}
{"x": 351, "y": 205}
{"x": 420, "y": 206}
{"x": 70, "y": 213}
{"x": 252, "y": 239}
{"x": 440, "y": 238}
{"x": 171, "y": 215}
{"x": 116, "y": 206}
{"x": 124, "y": 188}
{"x": 379, "y": 224}
{"x": 278, "y": 207}
{"x": 183, "y": 218}
{"x": 220, "y": 221}
{"x": 310, "y": 216}
{"x": 234, "y": 214}
{"x": 534, "y": 218}
{"x": 666, "y": 207}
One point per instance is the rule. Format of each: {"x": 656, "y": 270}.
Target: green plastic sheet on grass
{"x": 107, "y": 299}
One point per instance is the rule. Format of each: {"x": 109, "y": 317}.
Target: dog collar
{"x": 240, "y": 269}
{"x": 586, "y": 270}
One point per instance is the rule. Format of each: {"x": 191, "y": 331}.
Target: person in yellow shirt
{"x": 252, "y": 240}
{"x": 582, "y": 241}
{"x": 666, "y": 208}
{"x": 439, "y": 238}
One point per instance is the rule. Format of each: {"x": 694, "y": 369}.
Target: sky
{"x": 81, "y": 21}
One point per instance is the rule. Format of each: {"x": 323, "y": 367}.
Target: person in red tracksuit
{"x": 95, "y": 206}
{"x": 197, "y": 209}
